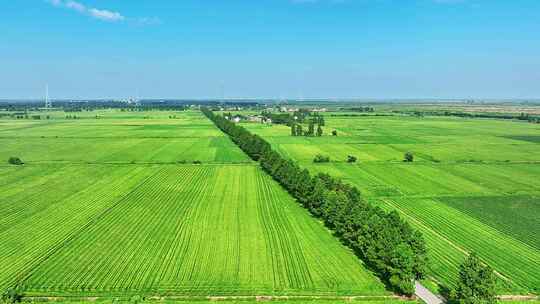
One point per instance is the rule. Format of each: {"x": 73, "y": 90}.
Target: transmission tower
{"x": 48, "y": 103}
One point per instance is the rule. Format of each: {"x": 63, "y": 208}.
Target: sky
{"x": 270, "y": 48}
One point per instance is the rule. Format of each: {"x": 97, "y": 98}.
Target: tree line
{"x": 520, "y": 116}
{"x": 386, "y": 243}
{"x": 358, "y": 109}
{"x": 296, "y": 127}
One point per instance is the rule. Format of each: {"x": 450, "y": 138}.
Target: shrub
{"x": 408, "y": 157}
{"x": 351, "y": 159}
{"x": 136, "y": 299}
{"x": 11, "y": 296}
{"x": 334, "y": 133}
{"x": 15, "y": 161}
{"x": 321, "y": 159}
{"x": 197, "y": 162}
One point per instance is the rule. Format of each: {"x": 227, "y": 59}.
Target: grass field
{"x": 117, "y": 137}
{"x": 114, "y": 214}
{"x": 474, "y": 184}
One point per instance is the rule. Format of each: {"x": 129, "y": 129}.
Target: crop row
{"x": 199, "y": 230}
{"x": 515, "y": 215}
{"x": 30, "y": 240}
{"x": 115, "y": 250}
{"x": 307, "y": 246}
{"x": 521, "y": 271}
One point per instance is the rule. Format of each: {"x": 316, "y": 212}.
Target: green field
{"x": 474, "y": 184}
{"x": 113, "y": 206}
{"x": 116, "y": 137}
{"x": 105, "y": 214}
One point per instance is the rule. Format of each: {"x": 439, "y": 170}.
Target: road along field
{"x": 474, "y": 184}
{"x": 97, "y": 225}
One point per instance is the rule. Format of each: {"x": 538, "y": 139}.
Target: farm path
{"x": 426, "y": 295}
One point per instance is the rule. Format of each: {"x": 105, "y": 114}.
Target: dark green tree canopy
{"x": 319, "y": 131}
{"x": 408, "y": 157}
{"x": 476, "y": 282}
{"x": 15, "y": 161}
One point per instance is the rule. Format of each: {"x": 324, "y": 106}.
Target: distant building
{"x": 256, "y": 118}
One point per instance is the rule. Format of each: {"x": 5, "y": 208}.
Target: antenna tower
{"x": 48, "y": 103}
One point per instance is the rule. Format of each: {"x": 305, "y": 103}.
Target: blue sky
{"x": 270, "y": 48}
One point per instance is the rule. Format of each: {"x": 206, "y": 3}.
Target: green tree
{"x": 299, "y": 130}
{"x": 401, "y": 269}
{"x": 476, "y": 282}
{"x": 334, "y": 133}
{"x": 418, "y": 245}
{"x": 311, "y": 129}
{"x": 319, "y": 131}
{"x": 136, "y": 299}
{"x": 293, "y": 130}
{"x": 321, "y": 159}
{"x": 408, "y": 157}
{"x": 351, "y": 159}
{"x": 11, "y": 296}
{"x": 15, "y": 161}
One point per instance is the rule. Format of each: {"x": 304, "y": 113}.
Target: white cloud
{"x": 105, "y": 15}
{"x": 75, "y": 6}
{"x": 101, "y": 14}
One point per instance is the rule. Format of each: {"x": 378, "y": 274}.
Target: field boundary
{"x": 187, "y": 164}
{"x": 257, "y": 298}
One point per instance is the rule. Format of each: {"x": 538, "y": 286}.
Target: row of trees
{"x": 316, "y": 119}
{"x": 520, "y": 116}
{"x": 279, "y": 118}
{"x": 296, "y": 130}
{"x": 26, "y": 116}
{"x": 383, "y": 240}
{"x": 297, "y": 117}
{"x": 359, "y": 109}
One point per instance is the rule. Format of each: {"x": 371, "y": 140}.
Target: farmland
{"x": 114, "y": 207}
{"x": 162, "y": 203}
{"x": 117, "y": 137}
{"x": 474, "y": 184}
